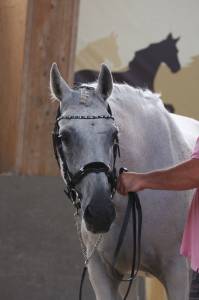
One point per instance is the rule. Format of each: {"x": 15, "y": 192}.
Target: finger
{"x": 119, "y": 182}
{"x": 120, "y": 188}
{"x": 123, "y": 190}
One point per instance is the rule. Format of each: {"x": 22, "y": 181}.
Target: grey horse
{"x": 150, "y": 138}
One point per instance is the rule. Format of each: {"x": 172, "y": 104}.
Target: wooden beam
{"x": 50, "y": 36}
{"x": 12, "y": 32}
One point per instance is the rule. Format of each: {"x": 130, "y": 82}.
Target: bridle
{"x": 72, "y": 180}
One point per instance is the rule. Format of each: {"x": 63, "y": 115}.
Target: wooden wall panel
{"x": 12, "y": 31}
{"x": 50, "y": 36}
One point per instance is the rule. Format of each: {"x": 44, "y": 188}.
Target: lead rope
{"x": 134, "y": 208}
{"x": 84, "y": 250}
{"x": 137, "y": 227}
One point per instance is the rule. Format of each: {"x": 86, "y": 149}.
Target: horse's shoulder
{"x": 188, "y": 127}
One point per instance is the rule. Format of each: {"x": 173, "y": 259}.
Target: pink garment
{"x": 190, "y": 241}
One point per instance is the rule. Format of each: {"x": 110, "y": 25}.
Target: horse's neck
{"x": 163, "y": 147}
{"x": 149, "y": 138}
{"x": 145, "y": 65}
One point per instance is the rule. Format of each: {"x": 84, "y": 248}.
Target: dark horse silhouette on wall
{"x": 143, "y": 67}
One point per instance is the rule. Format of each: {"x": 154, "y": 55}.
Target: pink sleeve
{"x": 195, "y": 153}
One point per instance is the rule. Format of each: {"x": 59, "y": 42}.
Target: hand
{"x": 129, "y": 182}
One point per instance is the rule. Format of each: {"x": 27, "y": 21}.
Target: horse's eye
{"x": 65, "y": 136}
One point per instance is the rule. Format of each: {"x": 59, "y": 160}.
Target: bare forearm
{"x": 181, "y": 177}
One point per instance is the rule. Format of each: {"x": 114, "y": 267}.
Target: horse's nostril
{"x": 99, "y": 218}
{"x": 88, "y": 213}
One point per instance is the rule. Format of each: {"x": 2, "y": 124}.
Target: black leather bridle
{"x": 72, "y": 180}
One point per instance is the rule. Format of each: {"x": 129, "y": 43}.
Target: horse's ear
{"x": 58, "y": 85}
{"x": 177, "y": 39}
{"x": 169, "y": 36}
{"x": 105, "y": 82}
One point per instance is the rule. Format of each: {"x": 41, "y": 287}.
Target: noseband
{"x": 72, "y": 180}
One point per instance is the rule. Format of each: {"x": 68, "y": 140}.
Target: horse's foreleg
{"x": 177, "y": 280}
{"x": 104, "y": 285}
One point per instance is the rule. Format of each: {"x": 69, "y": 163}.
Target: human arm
{"x": 183, "y": 176}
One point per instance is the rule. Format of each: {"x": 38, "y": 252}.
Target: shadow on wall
{"x": 181, "y": 89}
{"x": 99, "y": 51}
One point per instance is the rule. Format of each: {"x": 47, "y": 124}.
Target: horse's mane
{"x": 128, "y": 97}
{"x": 146, "y": 104}
{"x": 137, "y": 96}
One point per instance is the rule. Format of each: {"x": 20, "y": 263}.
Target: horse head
{"x": 87, "y": 133}
{"x": 170, "y": 53}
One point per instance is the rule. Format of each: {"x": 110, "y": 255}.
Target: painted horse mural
{"x": 150, "y": 138}
{"x": 143, "y": 68}
{"x": 99, "y": 51}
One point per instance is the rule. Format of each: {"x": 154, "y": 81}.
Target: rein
{"x": 71, "y": 180}
{"x": 133, "y": 208}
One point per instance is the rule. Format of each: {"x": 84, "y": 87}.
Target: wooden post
{"x": 12, "y": 32}
{"x": 50, "y": 37}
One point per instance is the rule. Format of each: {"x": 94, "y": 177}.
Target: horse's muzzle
{"x": 98, "y": 219}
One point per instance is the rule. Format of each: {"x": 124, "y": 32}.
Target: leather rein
{"x": 71, "y": 180}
